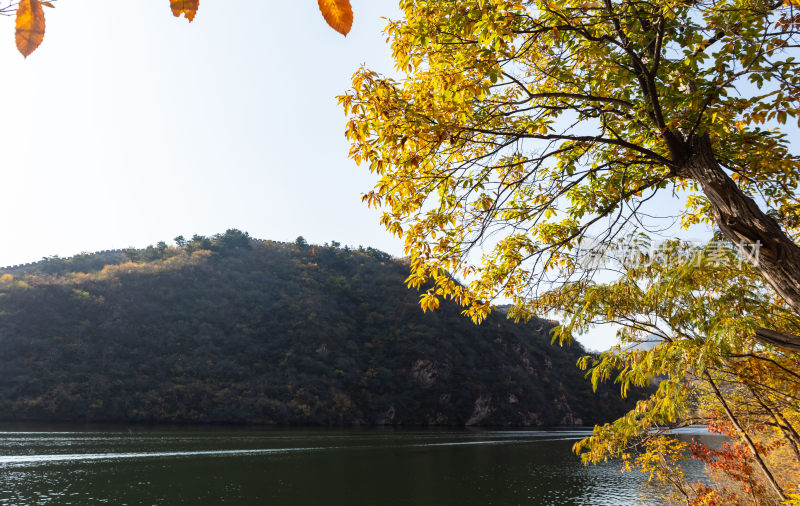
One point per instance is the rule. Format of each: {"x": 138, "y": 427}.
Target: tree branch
{"x": 784, "y": 340}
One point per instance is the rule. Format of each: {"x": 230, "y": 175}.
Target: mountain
{"x": 229, "y": 329}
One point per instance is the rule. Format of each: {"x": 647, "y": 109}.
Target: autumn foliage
{"x": 30, "y": 23}
{"x": 338, "y": 14}
{"x": 186, "y": 7}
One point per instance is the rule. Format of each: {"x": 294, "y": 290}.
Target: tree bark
{"x": 779, "y": 339}
{"x": 743, "y": 222}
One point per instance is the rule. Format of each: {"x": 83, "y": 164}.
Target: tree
{"x": 688, "y": 318}
{"x": 524, "y": 135}
{"x": 132, "y": 254}
{"x": 232, "y": 239}
{"x": 301, "y": 242}
{"x": 30, "y": 18}
{"x": 198, "y": 242}
{"x": 521, "y": 130}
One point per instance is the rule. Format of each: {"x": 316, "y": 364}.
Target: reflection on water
{"x": 307, "y": 467}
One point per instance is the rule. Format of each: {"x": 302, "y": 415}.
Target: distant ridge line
{"x": 256, "y": 241}
{"x": 30, "y": 264}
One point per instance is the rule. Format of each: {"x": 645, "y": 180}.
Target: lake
{"x": 200, "y": 466}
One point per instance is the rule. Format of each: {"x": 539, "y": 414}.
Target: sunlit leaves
{"x": 30, "y": 26}
{"x": 338, "y": 14}
{"x": 518, "y": 119}
{"x": 429, "y": 302}
{"x": 687, "y": 320}
{"x": 186, "y": 7}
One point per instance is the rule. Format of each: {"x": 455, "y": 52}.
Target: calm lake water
{"x": 307, "y": 467}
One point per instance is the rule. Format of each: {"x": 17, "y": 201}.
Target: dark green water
{"x": 306, "y": 467}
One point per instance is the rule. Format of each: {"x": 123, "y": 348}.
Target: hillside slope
{"x": 229, "y": 330}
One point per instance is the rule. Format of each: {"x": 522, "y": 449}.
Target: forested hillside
{"x": 232, "y": 330}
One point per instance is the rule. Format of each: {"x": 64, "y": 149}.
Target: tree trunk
{"x": 743, "y": 222}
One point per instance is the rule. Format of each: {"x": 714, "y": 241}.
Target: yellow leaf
{"x": 186, "y": 7}
{"x": 30, "y": 26}
{"x": 338, "y": 14}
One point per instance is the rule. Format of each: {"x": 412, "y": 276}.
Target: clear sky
{"x": 129, "y": 126}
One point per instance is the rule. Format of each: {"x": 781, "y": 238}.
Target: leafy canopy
{"x": 688, "y": 326}
{"x": 519, "y": 129}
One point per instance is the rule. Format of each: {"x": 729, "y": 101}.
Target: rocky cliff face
{"x": 278, "y": 334}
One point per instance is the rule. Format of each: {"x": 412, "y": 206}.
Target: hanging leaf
{"x": 338, "y": 14}
{"x": 30, "y": 26}
{"x": 186, "y": 7}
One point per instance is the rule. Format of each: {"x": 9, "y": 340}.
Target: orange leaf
{"x": 186, "y": 7}
{"x": 338, "y": 14}
{"x": 30, "y": 26}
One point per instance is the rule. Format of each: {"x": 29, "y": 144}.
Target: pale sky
{"x": 129, "y": 126}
